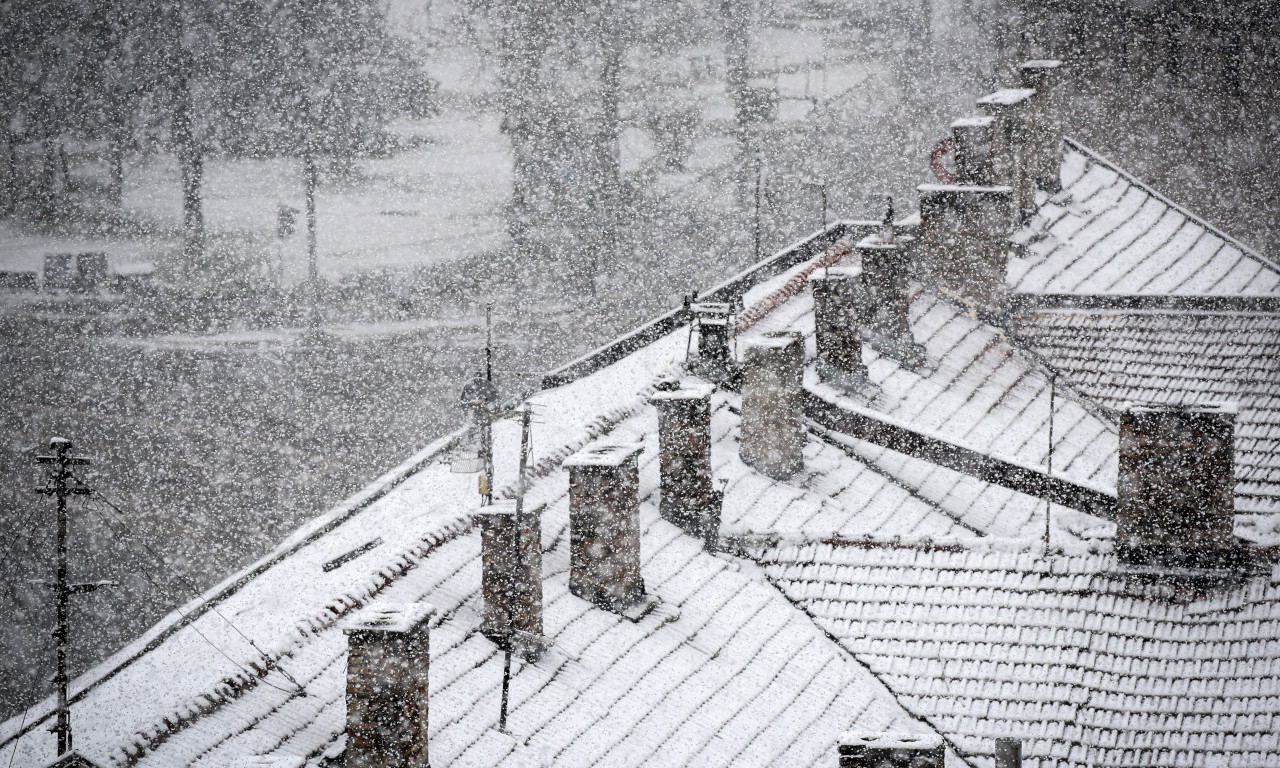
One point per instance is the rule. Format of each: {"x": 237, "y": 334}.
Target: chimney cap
{"x": 1225, "y": 407}
{"x": 399, "y": 618}
{"x": 775, "y": 340}
{"x": 874, "y": 243}
{"x": 1041, "y": 64}
{"x": 499, "y": 507}
{"x": 692, "y": 391}
{"x": 836, "y": 273}
{"x": 606, "y": 455}
{"x": 996, "y": 190}
{"x": 974, "y": 122}
{"x": 1007, "y": 97}
{"x": 890, "y": 740}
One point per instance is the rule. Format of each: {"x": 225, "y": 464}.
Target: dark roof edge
{"x": 1032, "y": 302}
{"x": 1074, "y": 144}
{"x": 727, "y": 291}
{"x": 197, "y": 607}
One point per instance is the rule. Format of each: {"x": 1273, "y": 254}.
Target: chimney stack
{"x": 964, "y": 240}
{"x": 714, "y": 361}
{"x": 891, "y": 750}
{"x": 1043, "y": 75}
{"x": 771, "y": 426}
{"x": 604, "y": 526}
{"x": 1175, "y": 486}
{"x": 684, "y": 446}
{"x": 510, "y": 581}
{"x": 1013, "y": 110}
{"x": 976, "y": 149}
{"x": 387, "y": 660}
{"x": 887, "y": 309}
{"x": 835, "y": 320}
{"x": 1008, "y": 753}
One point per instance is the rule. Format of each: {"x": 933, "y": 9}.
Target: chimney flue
{"x": 1015, "y": 145}
{"x": 684, "y": 445}
{"x": 964, "y": 234}
{"x": 388, "y": 656}
{"x": 836, "y": 329}
{"x": 772, "y": 431}
{"x": 712, "y": 320}
{"x": 891, "y": 750}
{"x": 976, "y": 141}
{"x": 1043, "y": 75}
{"x": 604, "y": 527}
{"x": 1008, "y": 753}
{"x": 511, "y": 581}
{"x": 886, "y": 306}
{"x": 1175, "y": 486}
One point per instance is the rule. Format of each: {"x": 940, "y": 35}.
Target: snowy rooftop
{"x": 875, "y": 592}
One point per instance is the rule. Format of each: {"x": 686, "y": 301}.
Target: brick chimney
{"x": 964, "y": 240}
{"x": 836, "y": 295}
{"x": 1175, "y": 486}
{"x": 886, "y": 307}
{"x": 1015, "y": 146}
{"x": 604, "y": 526}
{"x": 1043, "y": 76}
{"x": 387, "y": 660}
{"x": 772, "y": 432}
{"x": 688, "y": 498}
{"x": 509, "y": 582}
{"x": 891, "y": 750}
{"x": 1008, "y": 753}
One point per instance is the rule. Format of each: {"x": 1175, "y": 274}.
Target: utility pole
{"x": 1048, "y": 503}
{"x": 60, "y": 461}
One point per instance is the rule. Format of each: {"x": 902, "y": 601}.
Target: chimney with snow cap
{"x": 976, "y": 149}
{"x": 712, "y": 320}
{"x": 836, "y": 294}
{"x": 886, "y": 308}
{"x": 511, "y": 580}
{"x": 891, "y": 750}
{"x": 604, "y": 526}
{"x": 1046, "y": 135}
{"x": 771, "y": 426}
{"x": 684, "y": 446}
{"x": 1175, "y": 486}
{"x": 1013, "y": 110}
{"x": 387, "y": 660}
{"x": 964, "y": 240}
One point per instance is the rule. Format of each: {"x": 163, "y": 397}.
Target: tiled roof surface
{"x": 1186, "y": 358}
{"x": 1107, "y": 234}
{"x": 1089, "y": 668}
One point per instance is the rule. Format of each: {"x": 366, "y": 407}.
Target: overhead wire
{"x": 119, "y": 515}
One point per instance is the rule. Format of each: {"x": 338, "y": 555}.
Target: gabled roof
{"x": 1091, "y": 667}
{"x": 887, "y": 586}
{"x": 1108, "y": 234}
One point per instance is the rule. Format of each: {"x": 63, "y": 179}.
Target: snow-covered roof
{"x": 883, "y": 589}
{"x": 1108, "y": 234}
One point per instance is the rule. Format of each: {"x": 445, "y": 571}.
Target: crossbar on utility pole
{"x": 60, "y": 461}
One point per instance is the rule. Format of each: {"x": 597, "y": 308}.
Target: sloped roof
{"x": 1185, "y": 358}
{"x": 898, "y": 592}
{"x": 1109, "y": 234}
{"x": 1087, "y": 665}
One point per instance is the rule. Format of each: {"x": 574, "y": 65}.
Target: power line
{"x": 119, "y": 515}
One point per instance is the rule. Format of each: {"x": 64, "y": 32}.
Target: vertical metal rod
{"x": 488, "y": 341}
{"x": 310, "y": 180}
{"x": 824, "y": 205}
{"x": 1048, "y": 504}
{"x": 60, "y": 634}
{"x": 517, "y": 529}
{"x": 759, "y": 173}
